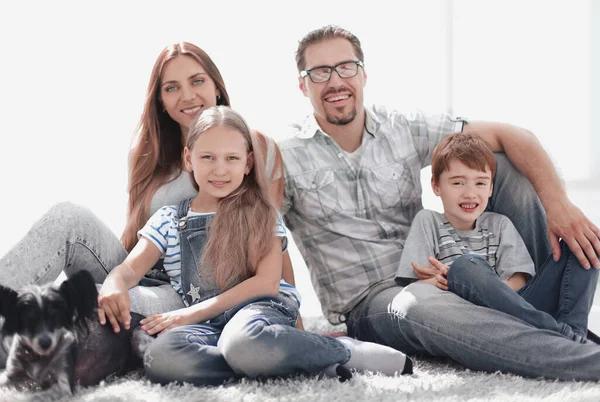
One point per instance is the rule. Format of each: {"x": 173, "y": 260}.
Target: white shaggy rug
{"x": 433, "y": 380}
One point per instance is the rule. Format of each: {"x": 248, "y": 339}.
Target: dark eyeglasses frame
{"x": 304, "y": 73}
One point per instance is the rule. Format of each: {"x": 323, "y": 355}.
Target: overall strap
{"x": 182, "y": 211}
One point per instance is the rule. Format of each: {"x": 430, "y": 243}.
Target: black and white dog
{"x": 53, "y": 339}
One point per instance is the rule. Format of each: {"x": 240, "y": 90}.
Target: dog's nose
{"x": 45, "y": 342}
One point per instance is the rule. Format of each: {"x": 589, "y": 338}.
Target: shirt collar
{"x": 311, "y": 127}
{"x": 371, "y": 121}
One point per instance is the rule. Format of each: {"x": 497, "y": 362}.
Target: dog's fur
{"x": 53, "y": 339}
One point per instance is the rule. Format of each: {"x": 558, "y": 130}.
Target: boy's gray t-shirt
{"x": 495, "y": 239}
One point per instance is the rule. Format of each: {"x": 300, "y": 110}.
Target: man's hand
{"x": 567, "y": 222}
{"x": 437, "y": 271}
{"x": 158, "y": 323}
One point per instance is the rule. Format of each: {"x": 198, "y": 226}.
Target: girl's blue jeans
{"x": 255, "y": 339}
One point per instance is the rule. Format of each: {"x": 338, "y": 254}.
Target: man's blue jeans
{"x": 422, "y": 319}
{"x": 558, "y": 298}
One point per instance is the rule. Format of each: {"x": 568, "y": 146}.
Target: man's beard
{"x": 342, "y": 120}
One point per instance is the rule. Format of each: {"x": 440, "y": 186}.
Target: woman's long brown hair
{"x": 241, "y": 232}
{"x": 156, "y": 155}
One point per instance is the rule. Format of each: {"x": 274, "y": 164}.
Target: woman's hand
{"x": 113, "y": 303}
{"x": 159, "y": 323}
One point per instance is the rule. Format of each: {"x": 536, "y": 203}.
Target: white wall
{"x": 529, "y": 63}
{"x": 73, "y": 79}
{"x": 595, "y": 98}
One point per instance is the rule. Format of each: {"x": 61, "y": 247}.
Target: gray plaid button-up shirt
{"x": 350, "y": 223}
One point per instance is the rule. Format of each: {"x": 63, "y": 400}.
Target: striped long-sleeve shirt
{"x": 162, "y": 230}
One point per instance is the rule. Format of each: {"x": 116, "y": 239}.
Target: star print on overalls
{"x": 194, "y": 293}
{"x": 148, "y": 360}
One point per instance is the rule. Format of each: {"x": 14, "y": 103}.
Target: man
{"x": 352, "y": 189}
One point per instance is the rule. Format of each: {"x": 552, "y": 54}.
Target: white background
{"x": 73, "y": 77}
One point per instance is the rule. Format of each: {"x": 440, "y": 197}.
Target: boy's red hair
{"x": 467, "y": 148}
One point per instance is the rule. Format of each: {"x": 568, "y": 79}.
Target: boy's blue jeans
{"x": 558, "y": 298}
{"x": 257, "y": 338}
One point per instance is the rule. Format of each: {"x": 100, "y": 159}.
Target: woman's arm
{"x": 264, "y": 283}
{"x": 113, "y": 298}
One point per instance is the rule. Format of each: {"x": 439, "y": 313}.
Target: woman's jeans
{"x": 558, "y": 298}
{"x": 422, "y": 319}
{"x": 70, "y": 238}
{"x": 255, "y": 339}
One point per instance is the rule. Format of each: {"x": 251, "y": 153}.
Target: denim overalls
{"x": 255, "y": 338}
{"x": 193, "y": 234}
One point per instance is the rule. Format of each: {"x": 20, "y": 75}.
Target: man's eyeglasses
{"x": 347, "y": 69}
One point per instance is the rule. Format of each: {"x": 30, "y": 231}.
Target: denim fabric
{"x": 193, "y": 234}
{"x": 421, "y": 319}
{"x": 558, "y": 298}
{"x": 514, "y": 196}
{"x": 255, "y": 338}
{"x": 69, "y": 238}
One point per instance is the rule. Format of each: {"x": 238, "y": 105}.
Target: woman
{"x": 184, "y": 81}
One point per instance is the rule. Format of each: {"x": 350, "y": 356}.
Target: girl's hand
{"x": 159, "y": 323}
{"x": 113, "y": 303}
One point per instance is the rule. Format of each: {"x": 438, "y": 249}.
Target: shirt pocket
{"x": 393, "y": 184}
{"x": 317, "y": 192}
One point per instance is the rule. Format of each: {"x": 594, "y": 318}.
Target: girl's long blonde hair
{"x": 156, "y": 155}
{"x": 241, "y": 232}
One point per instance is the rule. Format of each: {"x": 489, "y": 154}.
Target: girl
{"x": 184, "y": 81}
{"x": 225, "y": 261}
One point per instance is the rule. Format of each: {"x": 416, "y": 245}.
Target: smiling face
{"x": 464, "y": 192}
{"x": 219, "y": 160}
{"x": 186, "y": 89}
{"x": 339, "y": 100}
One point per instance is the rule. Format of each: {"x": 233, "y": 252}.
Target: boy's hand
{"x": 423, "y": 273}
{"x": 159, "y": 323}
{"x": 437, "y": 271}
{"x": 441, "y": 277}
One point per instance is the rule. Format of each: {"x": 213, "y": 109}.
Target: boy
{"x": 475, "y": 254}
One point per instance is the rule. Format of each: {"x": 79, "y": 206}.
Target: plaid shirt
{"x": 350, "y": 223}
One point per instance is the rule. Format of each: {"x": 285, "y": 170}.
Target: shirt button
{"x": 340, "y": 155}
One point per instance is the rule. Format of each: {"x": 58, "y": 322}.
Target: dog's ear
{"x": 81, "y": 295}
{"x": 8, "y": 304}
